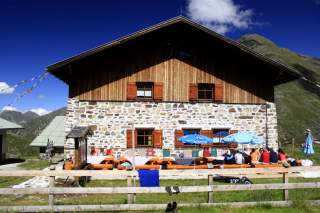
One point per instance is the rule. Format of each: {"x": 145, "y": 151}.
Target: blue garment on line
{"x": 149, "y": 178}
{"x": 308, "y": 147}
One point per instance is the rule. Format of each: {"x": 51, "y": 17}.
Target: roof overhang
{"x": 80, "y": 132}
{"x": 8, "y": 125}
{"x": 286, "y": 73}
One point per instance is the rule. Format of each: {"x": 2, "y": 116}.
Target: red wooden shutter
{"x": 207, "y": 133}
{"x": 157, "y": 91}
{"x": 131, "y": 91}
{"x": 193, "y": 92}
{"x": 218, "y": 92}
{"x": 129, "y": 138}
{"x": 157, "y": 138}
{"x": 177, "y": 135}
{"x": 233, "y": 131}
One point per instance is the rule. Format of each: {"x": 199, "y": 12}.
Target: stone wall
{"x": 112, "y": 119}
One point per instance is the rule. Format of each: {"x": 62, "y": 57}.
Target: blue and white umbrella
{"x": 243, "y": 138}
{"x": 308, "y": 147}
{"x": 195, "y": 139}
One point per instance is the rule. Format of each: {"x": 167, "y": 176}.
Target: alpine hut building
{"x": 171, "y": 79}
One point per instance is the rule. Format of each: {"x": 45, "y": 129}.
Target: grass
{"x": 10, "y": 181}
{"x": 31, "y": 164}
{"x": 236, "y": 196}
{"x": 34, "y": 164}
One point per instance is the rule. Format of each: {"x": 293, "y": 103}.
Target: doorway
{"x": 1, "y": 146}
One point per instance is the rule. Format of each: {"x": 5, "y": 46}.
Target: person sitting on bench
{"x": 273, "y": 156}
{"x": 229, "y": 158}
{"x": 239, "y": 159}
{"x": 266, "y": 156}
{"x": 254, "y": 155}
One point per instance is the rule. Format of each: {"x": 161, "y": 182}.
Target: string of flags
{"x": 36, "y": 79}
{"x": 41, "y": 76}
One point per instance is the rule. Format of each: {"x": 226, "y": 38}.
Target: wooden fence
{"x": 132, "y": 191}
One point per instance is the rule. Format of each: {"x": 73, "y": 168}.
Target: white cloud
{"x": 40, "y": 111}
{"x": 219, "y": 15}
{"x": 5, "y": 88}
{"x": 9, "y": 108}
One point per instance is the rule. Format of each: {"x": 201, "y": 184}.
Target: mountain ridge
{"x": 18, "y": 117}
{"x": 33, "y": 123}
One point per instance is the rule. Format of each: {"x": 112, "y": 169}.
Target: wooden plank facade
{"x": 175, "y": 53}
{"x": 107, "y": 80}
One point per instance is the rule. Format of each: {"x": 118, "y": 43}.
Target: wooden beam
{"x": 130, "y": 195}
{"x": 141, "y": 207}
{"x": 163, "y": 173}
{"x": 51, "y": 195}
{"x": 210, "y": 194}
{"x": 285, "y": 181}
{"x": 143, "y": 190}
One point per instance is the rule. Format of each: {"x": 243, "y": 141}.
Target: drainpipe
{"x": 267, "y": 142}
{"x": 133, "y": 150}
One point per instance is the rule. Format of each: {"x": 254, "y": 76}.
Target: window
{"x": 218, "y": 134}
{"x": 144, "y": 90}
{"x": 144, "y": 137}
{"x": 191, "y": 131}
{"x": 179, "y": 133}
{"x": 205, "y": 92}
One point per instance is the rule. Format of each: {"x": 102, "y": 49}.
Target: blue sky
{"x": 35, "y": 33}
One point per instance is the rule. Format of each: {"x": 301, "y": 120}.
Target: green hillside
{"x": 19, "y": 147}
{"x": 19, "y": 140}
{"x": 298, "y": 102}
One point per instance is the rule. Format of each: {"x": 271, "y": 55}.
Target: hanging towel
{"x": 149, "y": 178}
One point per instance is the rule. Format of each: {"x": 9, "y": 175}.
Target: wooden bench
{"x": 277, "y": 165}
{"x": 176, "y": 166}
{"x": 236, "y": 166}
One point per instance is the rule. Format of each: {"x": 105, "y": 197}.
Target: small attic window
{"x": 144, "y": 90}
{"x": 205, "y": 92}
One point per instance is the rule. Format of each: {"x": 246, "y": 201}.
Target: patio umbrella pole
{"x": 194, "y": 161}
{"x": 133, "y": 150}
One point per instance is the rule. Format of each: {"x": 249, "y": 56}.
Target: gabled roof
{"x": 55, "y": 68}
{"x": 7, "y": 125}
{"x": 55, "y": 132}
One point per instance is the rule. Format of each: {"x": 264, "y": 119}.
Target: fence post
{"x": 129, "y": 184}
{"x": 285, "y": 176}
{"x": 210, "y": 194}
{"x": 134, "y": 185}
{"x": 292, "y": 148}
{"x": 51, "y": 184}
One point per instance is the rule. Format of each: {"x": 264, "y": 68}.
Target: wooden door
{"x": 1, "y": 150}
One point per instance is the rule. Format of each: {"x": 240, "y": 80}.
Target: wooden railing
{"x": 131, "y": 190}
